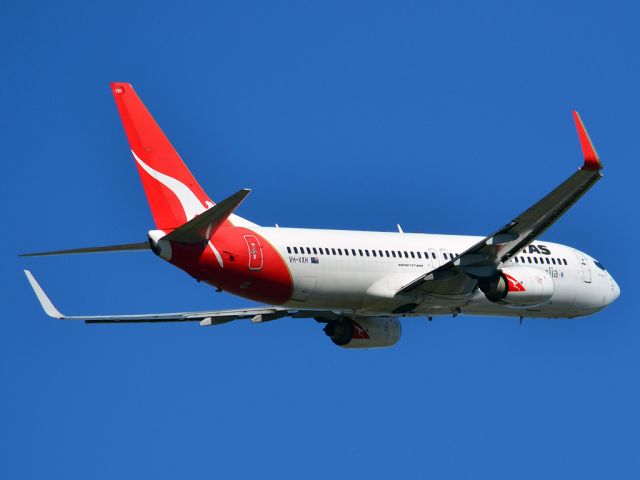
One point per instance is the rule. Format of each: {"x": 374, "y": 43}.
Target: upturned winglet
{"x": 591, "y": 159}
{"x": 46, "y": 304}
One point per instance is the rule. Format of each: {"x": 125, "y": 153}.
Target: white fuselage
{"x": 361, "y": 272}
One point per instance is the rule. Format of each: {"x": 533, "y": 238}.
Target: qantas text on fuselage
{"x": 358, "y": 284}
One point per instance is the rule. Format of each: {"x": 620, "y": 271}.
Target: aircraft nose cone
{"x": 615, "y": 291}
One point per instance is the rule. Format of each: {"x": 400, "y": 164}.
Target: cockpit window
{"x": 599, "y": 265}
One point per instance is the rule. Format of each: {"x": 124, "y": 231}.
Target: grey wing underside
{"x": 205, "y": 318}
{"x": 460, "y": 275}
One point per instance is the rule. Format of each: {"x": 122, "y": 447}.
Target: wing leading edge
{"x": 482, "y": 260}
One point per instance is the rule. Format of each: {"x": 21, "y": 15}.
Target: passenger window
{"x": 393, "y": 254}
{"x": 366, "y": 252}
{"x": 529, "y": 259}
{"x": 295, "y": 249}
{"x": 308, "y": 250}
{"x": 419, "y": 255}
{"x": 387, "y": 252}
{"x": 547, "y": 259}
{"x": 333, "y": 250}
{"x": 360, "y": 251}
{"x": 433, "y": 255}
{"x": 413, "y": 255}
{"x": 340, "y": 251}
{"x": 553, "y": 260}
{"x": 288, "y": 249}
{"x": 380, "y": 253}
{"x": 374, "y": 253}
{"x": 535, "y": 259}
{"x": 315, "y": 252}
{"x": 565, "y": 261}
{"x": 346, "y": 252}
{"x": 406, "y": 255}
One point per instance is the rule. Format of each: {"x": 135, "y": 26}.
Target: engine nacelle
{"x": 364, "y": 332}
{"x": 519, "y": 287}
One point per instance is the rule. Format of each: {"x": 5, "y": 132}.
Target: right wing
{"x": 482, "y": 260}
{"x": 206, "y": 318}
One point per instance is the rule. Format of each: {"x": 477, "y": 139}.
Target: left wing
{"x": 460, "y": 275}
{"x": 206, "y": 318}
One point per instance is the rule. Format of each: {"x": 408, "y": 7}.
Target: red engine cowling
{"x": 519, "y": 287}
{"x": 364, "y": 332}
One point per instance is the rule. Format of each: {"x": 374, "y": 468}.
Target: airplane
{"x": 359, "y": 284}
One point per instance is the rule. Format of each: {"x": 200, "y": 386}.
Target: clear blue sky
{"x": 445, "y": 117}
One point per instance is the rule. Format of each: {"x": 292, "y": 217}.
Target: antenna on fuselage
{"x": 399, "y": 228}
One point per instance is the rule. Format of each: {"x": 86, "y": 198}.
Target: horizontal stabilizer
{"x": 200, "y": 228}
{"x": 127, "y": 247}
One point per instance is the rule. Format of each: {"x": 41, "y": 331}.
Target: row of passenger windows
{"x": 549, "y": 261}
{"x": 366, "y": 252}
{"x": 404, "y": 254}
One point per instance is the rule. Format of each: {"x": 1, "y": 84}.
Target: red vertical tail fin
{"x": 173, "y": 194}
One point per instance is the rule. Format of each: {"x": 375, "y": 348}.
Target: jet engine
{"x": 518, "y": 286}
{"x": 364, "y": 332}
